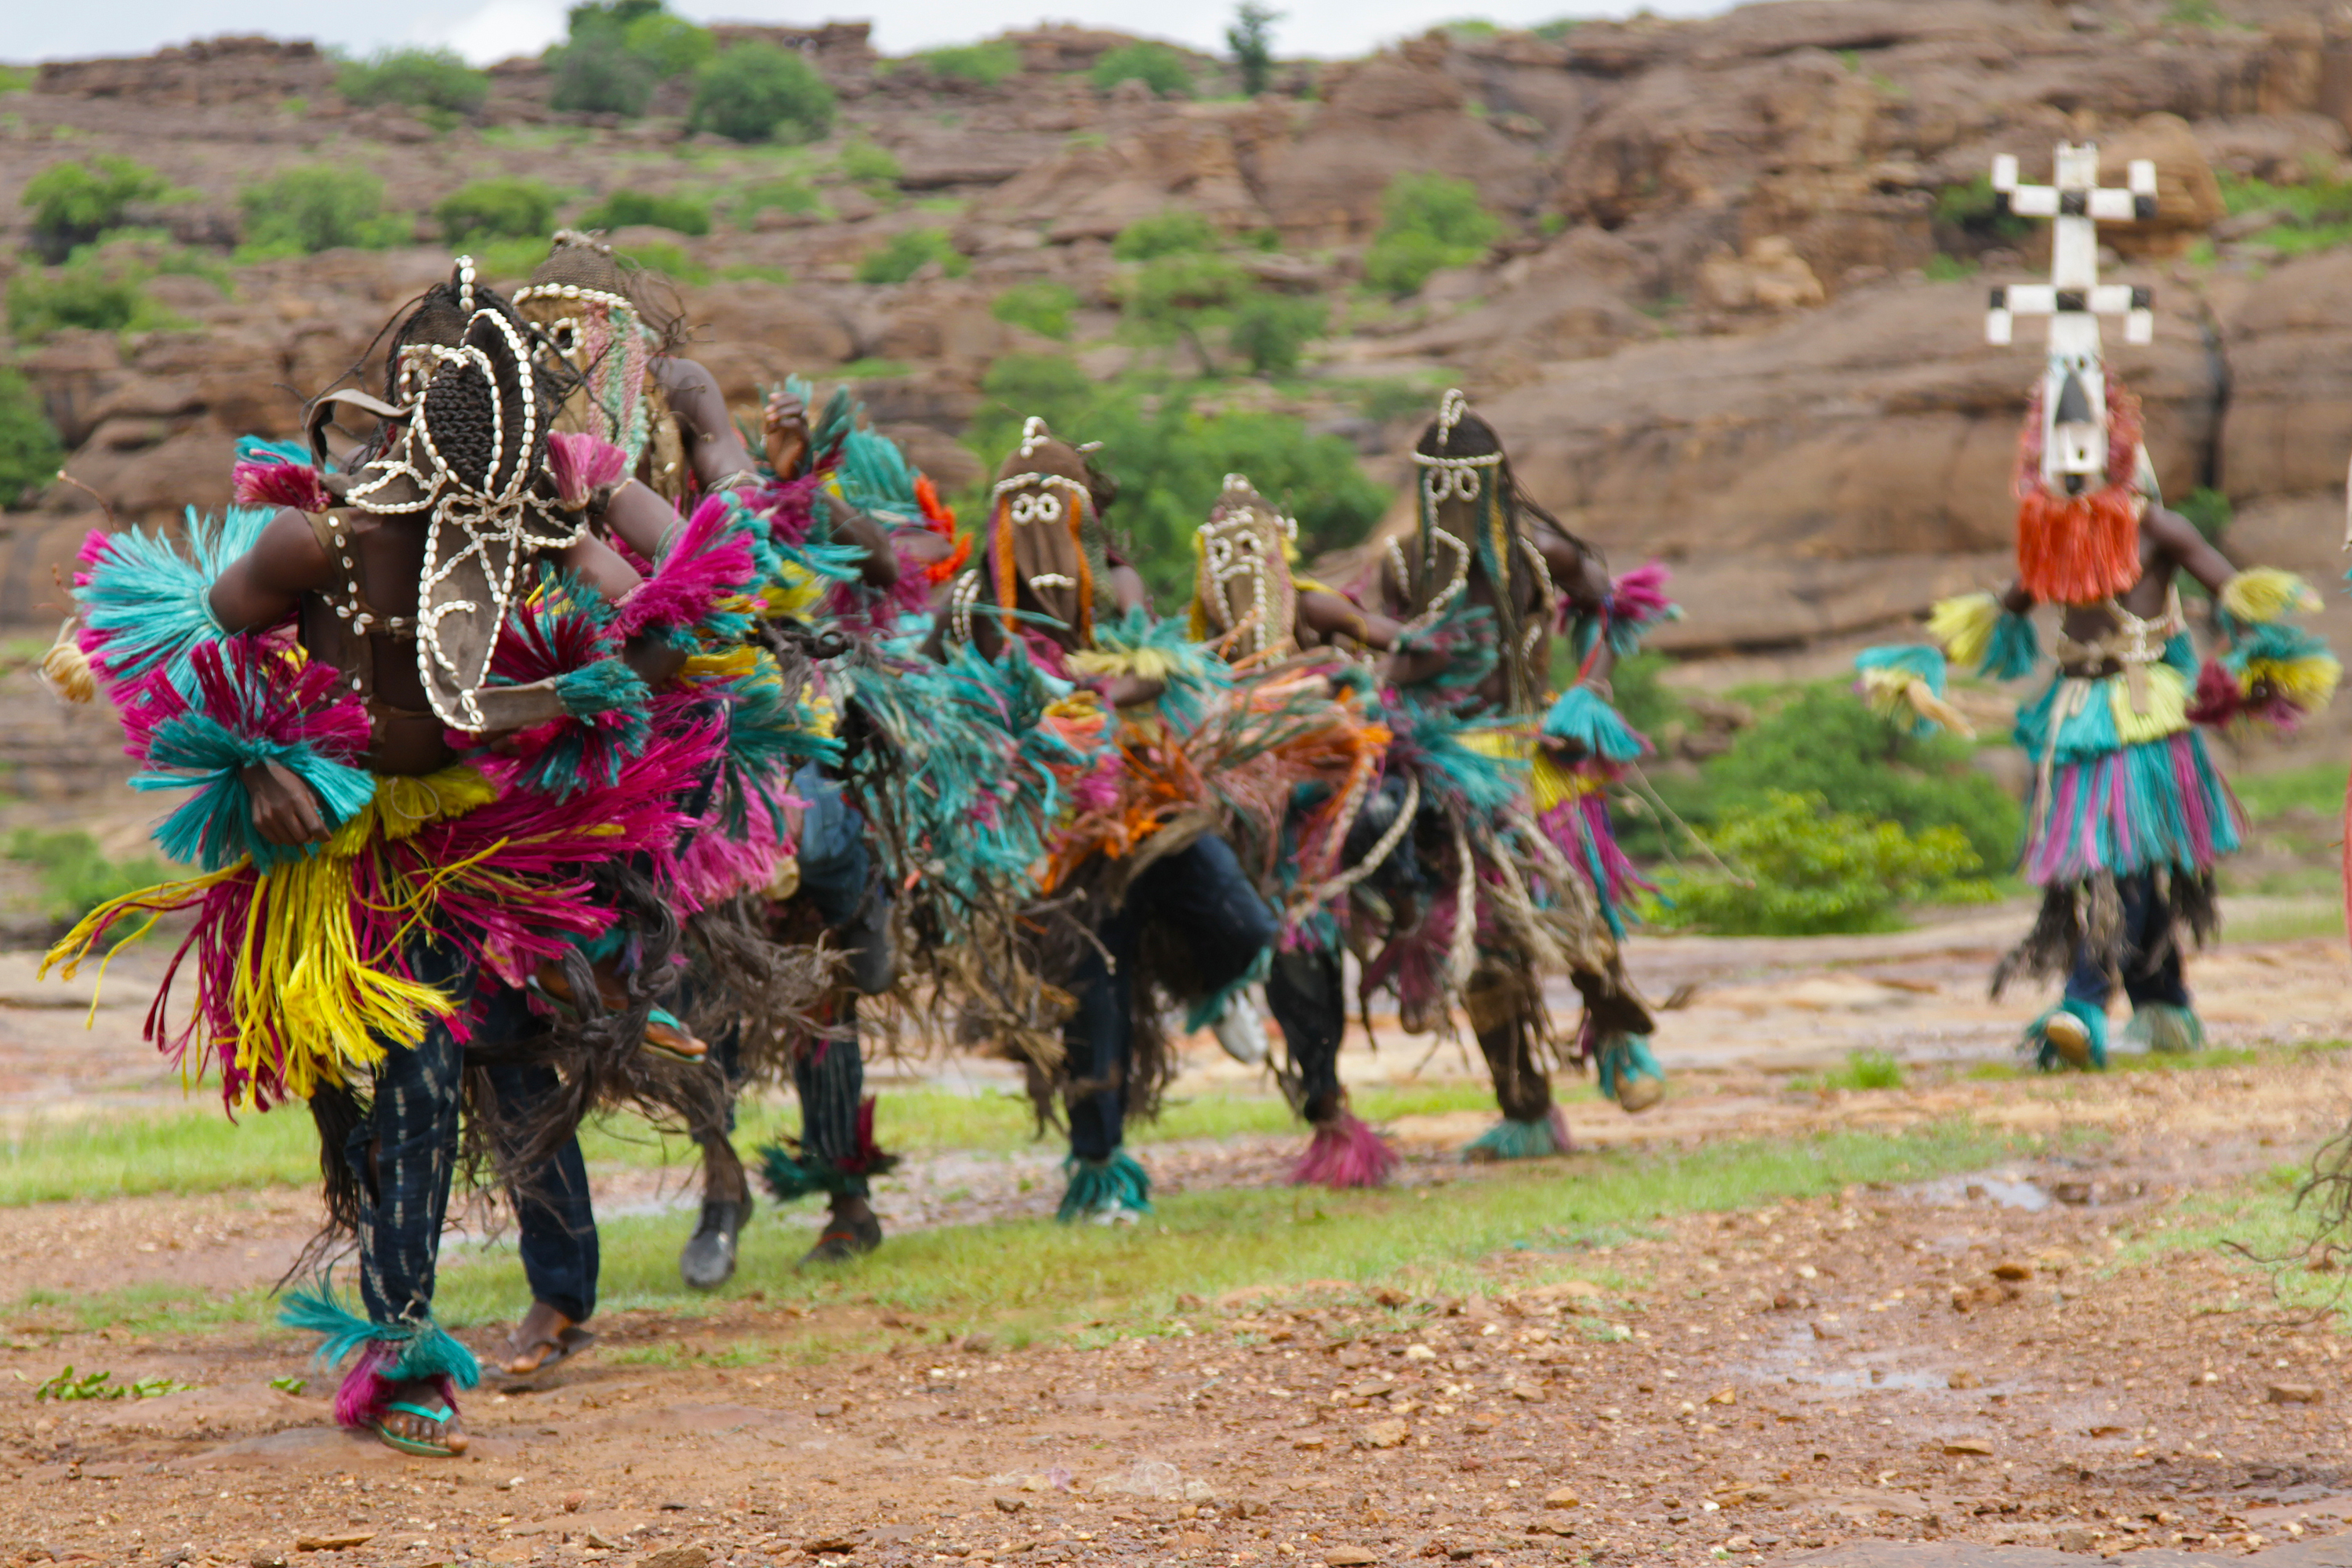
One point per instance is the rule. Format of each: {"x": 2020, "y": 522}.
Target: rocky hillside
{"x": 1733, "y": 315}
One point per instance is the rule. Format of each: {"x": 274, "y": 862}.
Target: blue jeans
{"x": 2148, "y": 929}
{"x": 404, "y": 1150}
{"x": 1200, "y": 892}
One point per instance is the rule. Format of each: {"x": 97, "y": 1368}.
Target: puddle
{"x": 1798, "y": 1361}
{"x": 2006, "y": 1188}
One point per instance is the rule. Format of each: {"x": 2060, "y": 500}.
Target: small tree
{"x": 596, "y": 74}
{"x": 758, "y": 92}
{"x": 506, "y": 208}
{"x": 1043, "y": 308}
{"x": 1156, "y": 66}
{"x": 74, "y": 204}
{"x": 303, "y": 210}
{"x": 1270, "y": 330}
{"x": 421, "y": 79}
{"x": 669, "y": 46}
{"x": 1251, "y": 39}
{"x": 29, "y": 449}
{"x": 1427, "y": 221}
{"x": 1180, "y": 297}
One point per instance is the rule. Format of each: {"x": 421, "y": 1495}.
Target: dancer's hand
{"x": 787, "y": 433}
{"x": 285, "y": 812}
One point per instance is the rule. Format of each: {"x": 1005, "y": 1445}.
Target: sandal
{"x": 664, "y": 1034}
{"x": 553, "y": 1350}
{"x": 418, "y": 1446}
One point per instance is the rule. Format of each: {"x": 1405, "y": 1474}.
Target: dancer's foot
{"x": 1241, "y": 1031}
{"x": 708, "y": 1260}
{"x": 2070, "y": 1037}
{"x": 664, "y": 1033}
{"x": 544, "y": 1339}
{"x": 418, "y": 1417}
{"x": 851, "y": 1232}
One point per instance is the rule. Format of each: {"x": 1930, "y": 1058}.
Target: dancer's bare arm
{"x": 712, "y": 446}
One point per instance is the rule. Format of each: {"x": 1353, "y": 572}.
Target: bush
{"x": 1827, "y": 743}
{"x": 74, "y": 204}
{"x": 29, "y": 449}
{"x": 758, "y": 92}
{"x": 1815, "y": 871}
{"x": 103, "y": 295}
{"x": 76, "y": 875}
{"x": 1156, "y": 66}
{"x": 596, "y": 74}
{"x": 1170, "y": 460}
{"x": 669, "y": 46}
{"x": 792, "y": 195}
{"x": 421, "y": 79}
{"x": 1270, "y": 330}
{"x": 864, "y": 163}
{"x": 1170, "y": 233}
{"x": 624, "y": 208}
{"x": 506, "y": 208}
{"x": 986, "y": 64}
{"x": 304, "y": 211}
{"x": 907, "y": 252}
{"x": 2208, "y": 511}
{"x": 1043, "y": 308}
{"x": 1427, "y": 222}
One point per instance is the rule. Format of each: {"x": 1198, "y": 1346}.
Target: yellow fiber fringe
{"x": 2167, "y": 696}
{"x": 1143, "y": 663}
{"x": 1549, "y": 784}
{"x": 1902, "y": 697}
{"x": 2308, "y": 683}
{"x": 1964, "y": 626}
{"x": 2262, "y": 593}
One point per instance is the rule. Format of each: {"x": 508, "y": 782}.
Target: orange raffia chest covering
{"x": 2080, "y": 550}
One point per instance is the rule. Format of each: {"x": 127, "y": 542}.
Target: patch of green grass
{"x": 76, "y": 875}
{"x": 1862, "y": 1069}
{"x": 755, "y": 272}
{"x": 1037, "y": 1276}
{"x": 2319, "y": 917}
{"x": 2315, "y": 787}
{"x": 872, "y": 370}
{"x": 1943, "y": 269}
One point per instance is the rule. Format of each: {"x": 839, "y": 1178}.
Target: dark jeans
{"x": 405, "y": 1152}
{"x": 1305, "y": 991}
{"x": 2147, "y": 930}
{"x": 553, "y": 1217}
{"x": 1200, "y": 893}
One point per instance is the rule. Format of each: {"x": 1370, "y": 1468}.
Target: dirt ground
{"x": 2005, "y": 1357}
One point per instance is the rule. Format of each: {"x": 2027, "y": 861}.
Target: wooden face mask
{"x": 1242, "y": 586}
{"x": 1036, "y": 554}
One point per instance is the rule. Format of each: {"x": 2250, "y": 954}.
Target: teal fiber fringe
{"x": 1211, "y": 1007}
{"x": 2167, "y": 1030}
{"x": 427, "y": 1349}
{"x": 606, "y": 686}
{"x": 1623, "y": 1057}
{"x": 214, "y": 826}
{"x": 1921, "y": 661}
{"x": 2014, "y": 650}
{"x": 1097, "y": 1184}
{"x": 150, "y": 603}
{"x": 1509, "y": 1139}
{"x": 794, "y": 1176}
{"x": 2046, "y": 1056}
{"x": 1582, "y": 716}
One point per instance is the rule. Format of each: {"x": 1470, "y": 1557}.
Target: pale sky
{"x": 487, "y": 30}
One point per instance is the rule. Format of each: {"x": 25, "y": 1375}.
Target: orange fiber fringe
{"x": 2079, "y": 549}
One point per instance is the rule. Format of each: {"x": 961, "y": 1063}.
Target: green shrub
{"x": 986, "y": 64}
{"x": 1156, "y": 66}
{"x": 107, "y": 294}
{"x": 29, "y": 449}
{"x": 906, "y": 253}
{"x": 1185, "y": 297}
{"x": 304, "y": 211}
{"x": 1269, "y": 331}
{"x": 596, "y": 73}
{"x": 791, "y": 193}
{"x": 1806, "y": 870}
{"x": 1827, "y": 743}
{"x": 1427, "y": 222}
{"x": 421, "y": 79}
{"x": 1251, "y": 39}
{"x": 1170, "y": 233}
{"x": 865, "y": 162}
{"x": 74, "y": 204}
{"x": 1973, "y": 209}
{"x": 2208, "y": 511}
{"x": 668, "y": 261}
{"x": 76, "y": 875}
{"x": 758, "y": 92}
{"x": 1170, "y": 460}
{"x": 1043, "y": 308}
{"x": 622, "y": 209}
{"x": 669, "y": 46}
{"x": 504, "y": 207}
